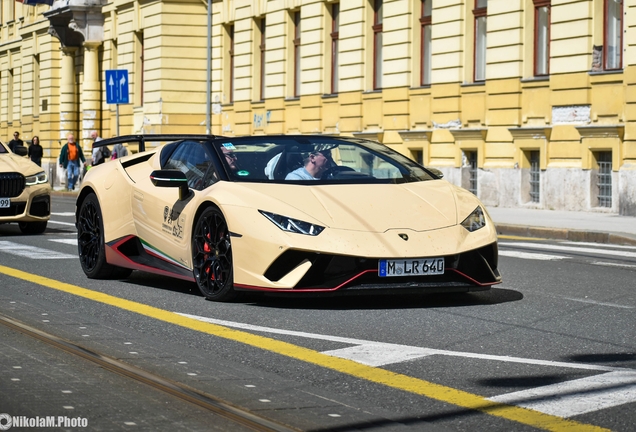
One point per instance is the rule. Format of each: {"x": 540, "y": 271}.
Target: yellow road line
{"x": 398, "y": 381}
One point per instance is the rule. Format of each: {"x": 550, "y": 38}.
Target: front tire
{"x": 90, "y": 243}
{"x": 32, "y": 227}
{"x": 212, "y": 256}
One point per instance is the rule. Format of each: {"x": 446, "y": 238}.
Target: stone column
{"x": 91, "y": 94}
{"x": 68, "y": 102}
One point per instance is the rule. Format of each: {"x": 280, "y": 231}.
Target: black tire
{"x": 212, "y": 256}
{"x": 32, "y": 227}
{"x": 90, "y": 243}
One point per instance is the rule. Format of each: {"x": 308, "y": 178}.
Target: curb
{"x": 566, "y": 234}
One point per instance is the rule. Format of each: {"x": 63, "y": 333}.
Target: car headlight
{"x": 293, "y": 225}
{"x": 475, "y": 220}
{"x": 38, "y": 178}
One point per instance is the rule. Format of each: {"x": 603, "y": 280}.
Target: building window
{"x": 335, "y": 29}
{"x": 470, "y": 162}
{"x": 418, "y": 156}
{"x": 425, "y": 40}
{"x": 262, "y": 27}
{"x": 36, "y": 85}
{"x": 297, "y": 69}
{"x": 535, "y": 177}
{"x": 377, "y": 44}
{"x": 480, "y": 14}
{"x": 541, "y": 37}
{"x": 139, "y": 68}
{"x": 604, "y": 183}
{"x": 613, "y": 35}
{"x": 231, "y": 53}
{"x": 10, "y": 100}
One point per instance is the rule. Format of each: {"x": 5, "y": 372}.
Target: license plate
{"x": 5, "y": 202}
{"x": 411, "y": 267}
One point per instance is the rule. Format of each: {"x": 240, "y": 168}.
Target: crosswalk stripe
{"x": 529, "y": 255}
{"x": 595, "y": 251}
{"x": 32, "y": 251}
{"x": 576, "y": 397}
{"x": 71, "y": 241}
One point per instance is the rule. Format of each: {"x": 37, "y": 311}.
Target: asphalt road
{"x": 558, "y": 337}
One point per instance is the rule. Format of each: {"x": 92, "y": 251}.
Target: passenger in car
{"x": 315, "y": 164}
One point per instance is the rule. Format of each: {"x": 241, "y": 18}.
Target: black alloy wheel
{"x": 212, "y": 256}
{"x": 90, "y": 242}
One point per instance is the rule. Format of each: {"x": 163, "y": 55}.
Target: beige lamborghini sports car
{"x": 25, "y": 194}
{"x": 282, "y": 214}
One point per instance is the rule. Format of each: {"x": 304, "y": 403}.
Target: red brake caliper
{"x": 207, "y": 250}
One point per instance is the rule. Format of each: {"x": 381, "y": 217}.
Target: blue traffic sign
{"x": 117, "y": 86}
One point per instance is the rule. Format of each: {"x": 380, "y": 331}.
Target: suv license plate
{"x": 411, "y": 267}
{"x": 5, "y": 202}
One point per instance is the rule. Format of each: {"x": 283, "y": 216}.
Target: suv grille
{"x": 11, "y": 184}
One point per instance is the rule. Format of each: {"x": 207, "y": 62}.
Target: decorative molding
{"x": 469, "y": 134}
{"x": 374, "y": 136}
{"x": 76, "y": 22}
{"x": 601, "y": 131}
{"x": 416, "y": 135}
{"x": 542, "y": 132}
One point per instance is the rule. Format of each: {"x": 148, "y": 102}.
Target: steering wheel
{"x": 333, "y": 171}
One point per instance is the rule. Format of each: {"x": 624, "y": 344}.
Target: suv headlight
{"x": 475, "y": 220}
{"x": 36, "y": 179}
{"x": 293, "y": 225}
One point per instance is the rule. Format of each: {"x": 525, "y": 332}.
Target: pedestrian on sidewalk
{"x": 71, "y": 157}
{"x": 35, "y": 150}
{"x": 100, "y": 154}
{"x": 15, "y": 142}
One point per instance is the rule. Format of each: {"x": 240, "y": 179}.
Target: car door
{"x": 161, "y": 217}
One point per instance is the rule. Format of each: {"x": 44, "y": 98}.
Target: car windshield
{"x": 311, "y": 159}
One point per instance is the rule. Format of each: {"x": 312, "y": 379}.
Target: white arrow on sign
{"x": 122, "y": 82}
{"x": 111, "y": 83}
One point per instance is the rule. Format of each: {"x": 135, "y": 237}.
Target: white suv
{"x": 25, "y": 194}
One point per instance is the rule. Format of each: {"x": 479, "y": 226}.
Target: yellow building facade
{"x": 527, "y": 103}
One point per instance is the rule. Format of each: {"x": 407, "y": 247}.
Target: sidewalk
{"x": 565, "y": 225}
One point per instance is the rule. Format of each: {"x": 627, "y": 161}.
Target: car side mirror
{"x": 436, "y": 172}
{"x": 20, "y": 150}
{"x": 171, "y": 178}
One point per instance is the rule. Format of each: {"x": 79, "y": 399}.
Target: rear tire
{"x": 212, "y": 256}
{"x": 32, "y": 227}
{"x": 90, "y": 243}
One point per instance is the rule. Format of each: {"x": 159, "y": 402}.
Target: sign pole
{"x": 208, "y": 85}
{"x": 117, "y": 119}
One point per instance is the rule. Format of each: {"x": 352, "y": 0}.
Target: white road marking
{"x": 64, "y": 214}
{"x": 62, "y": 223}
{"x": 576, "y": 397}
{"x": 606, "y": 264}
{"x": 603, "y": 245}
{"x": 598, "y": 303}
{"x": 65, "y": 241}
{"x": 594, "y": 251}
{"x": 386, "y": 350}
{"x": 379, "y": 354}
{"x": 32, "y": 251}
{"x": 530, "y": 255}
{"x": 566, "y": 399}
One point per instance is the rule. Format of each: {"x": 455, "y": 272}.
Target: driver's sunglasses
{"x": 231, "y": 155}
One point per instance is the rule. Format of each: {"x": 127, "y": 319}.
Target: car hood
{"x": 419, "y": 206}
{"x": 10, "y": 162}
